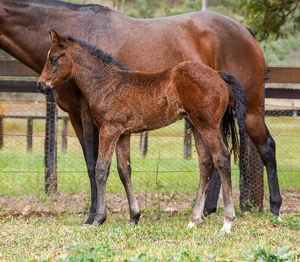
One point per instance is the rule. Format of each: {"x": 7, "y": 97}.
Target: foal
{"x": 124, "y": 102}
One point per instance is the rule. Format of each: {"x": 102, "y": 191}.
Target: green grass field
{"x": 159, "y": 236}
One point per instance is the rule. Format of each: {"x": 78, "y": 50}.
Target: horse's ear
{"x": 55, "y": 37}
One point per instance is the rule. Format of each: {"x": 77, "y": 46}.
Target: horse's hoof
{"x": 99, "y": 220}
{"x": 209, "y": 211}
{"x": 89, "y": 221}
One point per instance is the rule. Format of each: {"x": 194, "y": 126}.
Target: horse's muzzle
{"x": 44, "y": 88}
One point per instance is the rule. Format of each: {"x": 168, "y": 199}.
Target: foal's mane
{"x": 96, "y": 52}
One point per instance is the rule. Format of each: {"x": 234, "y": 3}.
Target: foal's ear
{"x": 56, "y": 38}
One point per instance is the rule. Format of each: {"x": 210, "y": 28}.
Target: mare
{"x": 124, "y": 102}
{"x": 146, "y": 45}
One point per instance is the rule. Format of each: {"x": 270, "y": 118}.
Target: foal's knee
{"x": 101, "y": 173}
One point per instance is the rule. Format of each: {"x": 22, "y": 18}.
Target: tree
{"x": 268, "y": 17}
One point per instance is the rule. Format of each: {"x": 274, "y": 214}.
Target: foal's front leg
{"x": 123, "y": 162}
{"x": 108, "y": 138}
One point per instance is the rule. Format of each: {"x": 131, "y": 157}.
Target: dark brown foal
{"x": 124, "y": 102}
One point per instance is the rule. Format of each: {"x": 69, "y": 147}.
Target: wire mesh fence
{"x": 164, "y": 169}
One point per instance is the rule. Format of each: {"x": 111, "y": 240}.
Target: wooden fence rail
{"x": 15, "y": 68}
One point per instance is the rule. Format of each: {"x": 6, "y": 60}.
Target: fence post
{"x": 51, "y": 146}
{"x": 64, "y": 135}
{"x": 144, "y": 144}
{"x": 29, "y": 133}
{"x": 187, "y": 141}
{"x": 1, "y": 131}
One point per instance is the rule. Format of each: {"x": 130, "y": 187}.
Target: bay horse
{"x": 146, "y": 45}
{"x": 124, "y": 102}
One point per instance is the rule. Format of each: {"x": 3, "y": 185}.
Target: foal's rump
{"x": 212, "y": 95}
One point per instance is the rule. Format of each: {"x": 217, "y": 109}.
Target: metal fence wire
{"x": 164, "y": 169}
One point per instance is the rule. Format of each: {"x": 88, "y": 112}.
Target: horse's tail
{"x": 228, "y": 123}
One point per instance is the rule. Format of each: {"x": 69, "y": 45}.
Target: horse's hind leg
{"x": 123, "y": 163}
{"x": 206, "y": 167}
{"x": 265, "y": 144}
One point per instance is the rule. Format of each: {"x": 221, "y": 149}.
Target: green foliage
{"x": 87, "y": 253}
{"x": 267, "y": 17}
{"x": 258, "y": 254}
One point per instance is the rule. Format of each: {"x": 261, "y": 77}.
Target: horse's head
{"x": 58, "y": 66}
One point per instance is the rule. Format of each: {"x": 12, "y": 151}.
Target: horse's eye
{"x": 54, "y": 59}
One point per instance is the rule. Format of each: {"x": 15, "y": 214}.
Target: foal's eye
{"x": 54, "y": 59}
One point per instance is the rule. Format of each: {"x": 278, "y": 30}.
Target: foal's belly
{"x": 155, "y": 116}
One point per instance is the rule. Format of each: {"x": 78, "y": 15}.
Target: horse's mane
{"x": 96, "y": 52}
{"x": 58, "y": 3}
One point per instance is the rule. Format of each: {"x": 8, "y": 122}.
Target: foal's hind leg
{"x": 265, "y": 144}
{"x": 123, "y": 163}
{"x": 221, "y": 159}
{"x": 206, "y": 167}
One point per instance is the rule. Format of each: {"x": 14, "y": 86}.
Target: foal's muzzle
{"x": 44, "y": 88}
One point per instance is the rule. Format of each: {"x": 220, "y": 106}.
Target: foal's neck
{"x": 92, "y": 75}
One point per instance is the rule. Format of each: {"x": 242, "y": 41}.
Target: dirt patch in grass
{"x": 26, "y": 206}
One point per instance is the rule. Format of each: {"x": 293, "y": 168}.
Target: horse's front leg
{"x": 108, "y": 138}
{"x": 90, "y": 135}
{"x": 86, "y": 135}
{"x": 123, "y": 163}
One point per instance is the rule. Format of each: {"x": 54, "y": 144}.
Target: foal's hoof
{"x": 226, "y": 228}
{"x": 134, "y": 220}
{"x": 194, "y": 224}
{"x": 228, "y": 222}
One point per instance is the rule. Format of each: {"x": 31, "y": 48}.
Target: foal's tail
{"x": 228, "y": 123}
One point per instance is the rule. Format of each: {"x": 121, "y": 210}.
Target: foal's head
{"x": 58, "y": 67}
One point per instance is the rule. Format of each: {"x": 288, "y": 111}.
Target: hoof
{"x": 209, "y": 211}
{"x": 226, "y": 229}
{"x": 89, "y": 221}
{"x": 134, "y": 220}
{"x": 275, "y": 212}
{"x": 99, "y": 220}
{"x": 227, "y": 225}
{"x": 192, "y": 225}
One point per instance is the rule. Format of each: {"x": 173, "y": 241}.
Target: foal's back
{"x": 145, "y": 101}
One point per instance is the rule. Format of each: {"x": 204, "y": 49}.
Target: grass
{"x": 158, "y": 237}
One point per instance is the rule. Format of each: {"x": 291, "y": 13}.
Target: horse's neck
{"x": 92, "y": 77}
{"x": 24, "y": 31}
